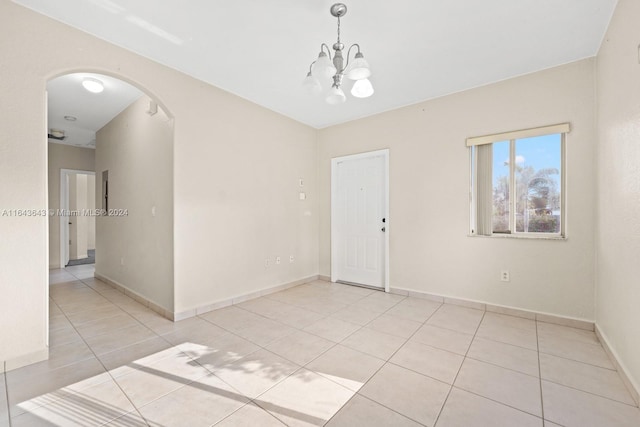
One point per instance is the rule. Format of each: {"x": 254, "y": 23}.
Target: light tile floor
{"x": 317, "y": 354}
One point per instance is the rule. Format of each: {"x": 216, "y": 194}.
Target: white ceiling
{"x": 67, "y": 97}
{"x": 418, "y": 49}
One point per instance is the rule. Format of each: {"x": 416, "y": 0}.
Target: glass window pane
{"x": 537, "y": 192}
{"x": 500, "y": 218}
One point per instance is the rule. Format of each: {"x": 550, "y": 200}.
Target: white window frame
{"x": 563, "y": 129}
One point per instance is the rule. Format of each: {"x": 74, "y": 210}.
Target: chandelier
{"x": 327, "y": 68}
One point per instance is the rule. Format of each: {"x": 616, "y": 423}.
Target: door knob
{"x": 383, "y": 229}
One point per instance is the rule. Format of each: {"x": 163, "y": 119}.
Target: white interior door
{"x": 359, "y": 219}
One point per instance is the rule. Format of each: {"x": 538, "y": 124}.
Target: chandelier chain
{"x": 338, "y": 29}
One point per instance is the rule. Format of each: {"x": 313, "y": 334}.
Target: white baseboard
{"x": 632, "y": 386}
{"x": 136, "y": 296}
{"x": 177, "y": 316}
{"x": 24, "y": 360}
{"x": 495, "y": 308}
{"x": 240, "y": 298}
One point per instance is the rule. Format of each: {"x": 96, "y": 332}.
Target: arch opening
{"x": 122, "y": 138}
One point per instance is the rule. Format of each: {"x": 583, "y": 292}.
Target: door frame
{"x": 334, "y": 194}
{"x": 64, "y": 206}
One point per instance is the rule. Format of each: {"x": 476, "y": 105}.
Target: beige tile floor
{"x": 317, "y": 354}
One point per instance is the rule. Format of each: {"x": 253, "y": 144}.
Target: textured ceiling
{"x": 418, "y": 49}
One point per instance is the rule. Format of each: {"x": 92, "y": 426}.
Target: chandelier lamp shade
{"x": 332, "y": 69}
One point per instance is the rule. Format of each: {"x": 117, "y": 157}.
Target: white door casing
{"x": 64, "y": 207}
{"x": 360, "y": 219}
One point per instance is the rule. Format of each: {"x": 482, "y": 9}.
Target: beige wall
{"x": 618, "y": 238}
{"x": 239, "y": 202}
{"x": 429, "y": 193}
{"x": 136, "y": 249}
{"x": 62, "y": 157}
{"x": 236, "y": 171}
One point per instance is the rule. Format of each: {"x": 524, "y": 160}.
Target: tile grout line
{"x": 407, "y": 339}
{"x": 590, "y": 393}
{"x": 98, "y": 358}
{"x": 546, "y": 352}
{"x": 357, "y": 393}
{"x": 577, "y": 361}
{"x": 137, "y": 410}
{"x": 337, "y": 343}
{"x": 540, "y": 373}
{"x": 360, "y": 327}
{"x": 484, "y": 312}
{"x": 499, "y": 402}
{"x": 103, "y": 366}
{"x": 250, "y": 402}
{"x": 324, "y": 316}
{"x": 300, "y": 367}
{"x": 260, "y": 347}
{"x": 349, "y": 335}
{"x": 253, "y": 400}
{"x": 388, "y": 361}
{"x": 377, "y": 403}
{"x": 538, "y": 377}
{"x": 6, "y": 391}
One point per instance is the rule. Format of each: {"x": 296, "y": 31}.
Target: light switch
{"x": 153, "y": 211}
{"x": 303, "y": 196}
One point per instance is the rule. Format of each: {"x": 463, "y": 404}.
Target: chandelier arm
{"x": 311, "y": 66}
{"x": 322, "y": 46}
{"x": 349, "y": 53}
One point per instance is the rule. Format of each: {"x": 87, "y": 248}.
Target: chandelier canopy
{"x": 327, "y": 68}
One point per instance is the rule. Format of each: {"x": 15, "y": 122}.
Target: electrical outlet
{"x": 291, "y": 258}
{"x": 504, "y": 276}
{"x": 277, "y": 260}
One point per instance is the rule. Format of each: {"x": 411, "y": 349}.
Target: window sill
{"x": 519, "y": 236}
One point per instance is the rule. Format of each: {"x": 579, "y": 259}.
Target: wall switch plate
{"x": 302, "y": 196}
{"x": 277, "y": 260}
{"x": 504, "y": 276}
{"x": 291, "y": 258}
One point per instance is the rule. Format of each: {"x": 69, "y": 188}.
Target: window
{"x": 517, "y": 183}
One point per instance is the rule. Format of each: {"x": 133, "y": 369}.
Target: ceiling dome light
{"x": 70, "y": 118}
{"x": 362, "y": 88}
{"x": 92, "y": 85}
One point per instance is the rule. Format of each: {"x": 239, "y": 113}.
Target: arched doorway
{"x": 121, "y": 139}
